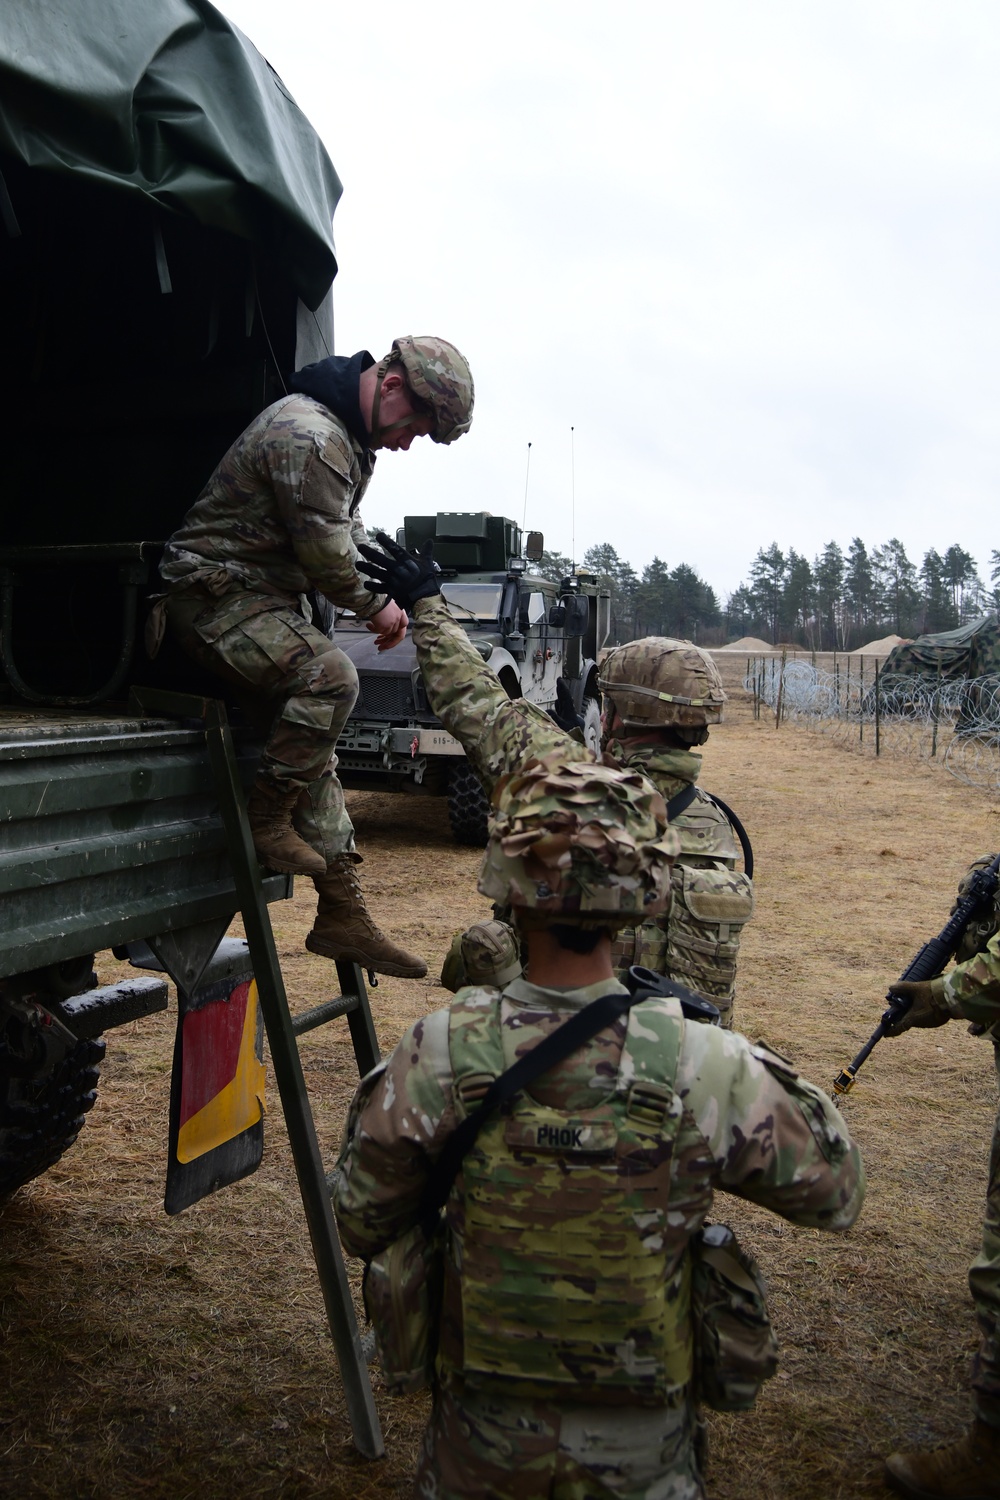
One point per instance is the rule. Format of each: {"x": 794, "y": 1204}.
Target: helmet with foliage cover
{"x": 578, "y": 842}
{"x": 439, "y": 377}
{"x": 658, "y": 680}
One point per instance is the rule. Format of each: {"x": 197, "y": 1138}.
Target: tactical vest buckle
{"x": 648, "y": 1102}
{"x": 470, "y": 1088}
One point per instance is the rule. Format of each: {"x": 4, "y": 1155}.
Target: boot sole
{"x": 355, "y": 956}
{"x": 285, "y": 867}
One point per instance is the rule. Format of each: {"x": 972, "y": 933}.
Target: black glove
{"x": 926, "y": 1004}
{"x": 564, "y": 713}
{"x": 404, "y": 576}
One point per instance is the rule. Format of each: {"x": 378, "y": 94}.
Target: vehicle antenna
{"x": 524, "y": 518}
{"x": 572, "y": 487}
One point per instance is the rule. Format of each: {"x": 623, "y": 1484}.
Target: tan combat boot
{"x": 966, "y": 1470}
{"x": 269, "y": 810}
{"x": 344, "y": 929}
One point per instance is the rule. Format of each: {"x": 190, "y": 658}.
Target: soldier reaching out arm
{"x": 565, "y": 1335}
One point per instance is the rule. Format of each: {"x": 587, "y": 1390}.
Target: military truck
{"x": 165, "y": 254}
{"x": 530, "y": 631}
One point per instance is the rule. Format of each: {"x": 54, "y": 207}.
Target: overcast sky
{"x": 749, "y": 253}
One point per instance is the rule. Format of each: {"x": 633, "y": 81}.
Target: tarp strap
{"x": 7, "y": 213}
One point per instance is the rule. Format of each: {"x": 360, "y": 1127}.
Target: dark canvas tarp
{"x": 973, "y": 650}
{"x": 167, "y": 99}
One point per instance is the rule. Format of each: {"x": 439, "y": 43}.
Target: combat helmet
{"x": 662, "y": 681}
{"x": 439, "y": 377}
{"x": 487, "y": 953}
{"x": 979, "y": 931}
{"x": 578, "y": 842}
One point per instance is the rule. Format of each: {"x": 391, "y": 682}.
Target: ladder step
{"x": 328, "y": 1011}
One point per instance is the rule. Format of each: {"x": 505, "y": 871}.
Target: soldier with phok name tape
{"x": 529, "y": 1174}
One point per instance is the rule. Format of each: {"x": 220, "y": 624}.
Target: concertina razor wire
{"x": 955, "y": 722}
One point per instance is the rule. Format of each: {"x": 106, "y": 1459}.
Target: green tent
{"x": 973, "y": 650}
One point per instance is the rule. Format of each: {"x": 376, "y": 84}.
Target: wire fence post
{"x": 878, "y": 711}
{"x": 781, "y": 690}
{"x": 935, "y": 713}
{"x": 861, "y": 702}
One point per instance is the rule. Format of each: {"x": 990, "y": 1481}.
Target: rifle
{"x": 929, "y": 962}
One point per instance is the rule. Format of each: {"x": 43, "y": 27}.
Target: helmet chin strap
{"x": 378, "y": 433}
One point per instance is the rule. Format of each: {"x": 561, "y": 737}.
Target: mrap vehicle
{"x": 529, "y": 630}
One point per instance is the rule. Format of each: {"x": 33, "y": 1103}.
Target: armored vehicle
{"x": 529, "y": 630}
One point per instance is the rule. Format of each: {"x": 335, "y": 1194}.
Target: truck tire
{"x": 468, "y": 806}
{"x": 592, "y": 725}
{"x": 41, "y": 1116}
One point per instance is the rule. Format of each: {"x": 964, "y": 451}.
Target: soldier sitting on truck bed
{"x": 660, "y": 695}
{"x": 278, "y": 518}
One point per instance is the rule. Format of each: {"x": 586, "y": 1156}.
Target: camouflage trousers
{"x": 984, "y": 1283}
{"x": 303, "y": 683}
{"x": 499, "y": 1448}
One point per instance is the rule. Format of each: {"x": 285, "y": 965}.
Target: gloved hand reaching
{"x": 404, "y": 576}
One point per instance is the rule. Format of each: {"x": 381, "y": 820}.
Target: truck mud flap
{"x": 217, "y": 1090}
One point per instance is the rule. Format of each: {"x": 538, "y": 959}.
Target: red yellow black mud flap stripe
{"x": 217, "y": 1091}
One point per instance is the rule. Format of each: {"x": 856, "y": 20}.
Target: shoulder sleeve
{"x": 314, "y": 475}
{"x": 776, "y": 1139}
{"x": 972, "y": 989}
{"x": 400, "y": 1117}
{"x": 496, "y": 732}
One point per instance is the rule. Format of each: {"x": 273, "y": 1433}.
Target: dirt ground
{"x": 189, "y": 1356}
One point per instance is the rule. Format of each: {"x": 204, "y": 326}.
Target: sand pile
{"x": 880, "y": 647}
{"x": 751, "y": 643}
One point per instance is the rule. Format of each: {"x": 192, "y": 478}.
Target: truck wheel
{"x": 592, "y": 725}
{"x": 468, "y": 806}
{"x": 42, "y": 1115}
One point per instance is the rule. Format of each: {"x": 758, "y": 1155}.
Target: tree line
{"x": 836, "y": 602}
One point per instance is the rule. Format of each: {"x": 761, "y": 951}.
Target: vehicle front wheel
{"x": 468, "y": 806}
{"x": 592, "y": 725}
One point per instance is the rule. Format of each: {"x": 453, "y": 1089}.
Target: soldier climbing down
{"x": 278, "y": 518}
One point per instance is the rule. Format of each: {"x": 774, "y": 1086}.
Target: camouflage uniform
{"x": 972, "y": 991}
{"x": 698, "y": 940}
{"x": 278, "y": 518}
{"x": 737, "y": 1116}
{"x": 742, "y": 1120}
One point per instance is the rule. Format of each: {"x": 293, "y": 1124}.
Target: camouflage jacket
{"x": 972, "y": 989}
{"x": 280, "y": 513}
{"x": 698, "y": 940}
{"x": 705, "y": 831}
{"x": 754, "y": 1126}
{"x": 497, "y": 733}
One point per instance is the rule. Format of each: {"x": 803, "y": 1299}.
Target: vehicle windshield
{"x": 481, "y": 601}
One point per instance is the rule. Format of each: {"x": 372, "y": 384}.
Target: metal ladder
{"x": 283, "y": 1029}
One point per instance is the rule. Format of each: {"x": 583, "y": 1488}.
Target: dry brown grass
{"x": 159, "y": 1357}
